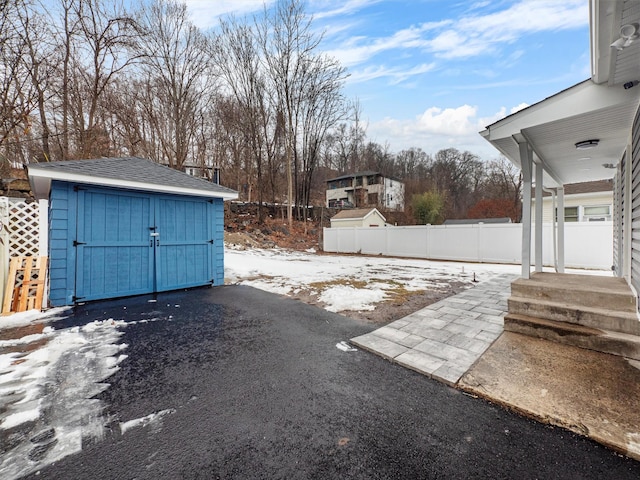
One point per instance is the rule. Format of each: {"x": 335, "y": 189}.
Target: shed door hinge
{"x": 210, "y": 241}
{"x": 75, "y": 299}
{"x": 76, "y": 243}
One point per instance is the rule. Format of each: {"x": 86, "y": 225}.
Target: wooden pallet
{"x": 25, "y": 284}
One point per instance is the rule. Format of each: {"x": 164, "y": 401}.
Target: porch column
{"x": 628, "y": 208}
{"x": 526, "y": 162}
{"x": 538, "y": 218}
{"x": 560, "y": 247}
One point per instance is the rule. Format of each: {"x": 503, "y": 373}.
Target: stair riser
{"x": 613, "y": 301}
{"x": 598, "y": 343}
{"x": 616, "y": 323}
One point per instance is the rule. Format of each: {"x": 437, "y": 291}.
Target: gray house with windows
{"x": 365, "y": 189}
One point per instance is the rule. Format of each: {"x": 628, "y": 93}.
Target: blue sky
{"x": 433, "y": 73}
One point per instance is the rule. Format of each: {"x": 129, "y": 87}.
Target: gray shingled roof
{"x": 127, "y": 172}
{"x": 355, "y": 214}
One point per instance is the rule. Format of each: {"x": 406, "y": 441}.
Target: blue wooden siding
{"x": 116, "y": 254}
{"x": 62, "y": 259}
{"x": 218, "y": 241}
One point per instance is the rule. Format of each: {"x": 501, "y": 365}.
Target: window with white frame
{"x": 571, "y": 214}
{"x": 591, "y": 213}
{"x": 596, "y": 213}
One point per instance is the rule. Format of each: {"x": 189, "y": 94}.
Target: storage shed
{"x": 129, "y": 226}
{"x": 360, "y": 217}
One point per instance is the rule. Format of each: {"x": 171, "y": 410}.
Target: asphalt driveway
{"x": 247, "y": 384}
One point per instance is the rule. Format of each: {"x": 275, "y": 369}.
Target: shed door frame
{"x": 175, "y": 258}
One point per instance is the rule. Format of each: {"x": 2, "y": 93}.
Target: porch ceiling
{"x": 553, "y": 127}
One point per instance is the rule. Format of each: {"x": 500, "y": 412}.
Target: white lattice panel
{"x": 24, "y": 229}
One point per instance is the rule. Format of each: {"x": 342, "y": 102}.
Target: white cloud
{"x": 359, "y": 49}
{"x": 448, "y": 121}
{"x": 334, "y": 9}
{"x": 477, "y": 34}
{"x": 396, "y": 75}
{"x": 519, "y": 107}
{"x": 472, "y": 35}
{"x": 205, "y": 13}
{"x": 438, "y": 128}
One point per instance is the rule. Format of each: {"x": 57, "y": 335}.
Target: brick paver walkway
{"x": 445, "y": 339}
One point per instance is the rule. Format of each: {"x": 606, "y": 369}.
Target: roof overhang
{"x": 553, "y": 126}
{"x": 359, "y": 217}
{"x": 40, "y": 179}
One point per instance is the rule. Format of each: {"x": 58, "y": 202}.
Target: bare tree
{"x": 17, "y": 96}
{"x": 178, "y": 77}
{"x": 458, "y": 175}
{"x": 236, "y": 55}
{"x": 504, "y": 181}
{"x": 322, "y": 107}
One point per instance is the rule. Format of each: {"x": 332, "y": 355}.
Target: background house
{"x": 361, "y": 217}
{"x": 365, "y": 189}
{"x": 583, "y": 202}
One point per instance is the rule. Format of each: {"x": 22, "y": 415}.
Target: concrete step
{"x": 584, "y": 290}
{"x": 601, "y": 318}
{"x": 606, "y": 341}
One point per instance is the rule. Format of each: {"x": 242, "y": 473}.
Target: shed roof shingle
{"x": 126, "y": 172}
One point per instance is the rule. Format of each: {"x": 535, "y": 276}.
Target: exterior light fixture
{"x": 585, "y": 144}
{"x": 628, "y": 34}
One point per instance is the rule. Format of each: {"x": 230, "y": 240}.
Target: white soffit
{"x": 553, "y": 127}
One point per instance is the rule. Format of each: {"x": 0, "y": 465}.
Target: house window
{"x": 597, "y": 213}
{"x": 571, "y": 214}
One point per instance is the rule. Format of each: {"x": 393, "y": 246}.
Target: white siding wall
{"x": 578, "y": 200}
{"x": 393, "y": 194}
{"x": 374, "y": 220}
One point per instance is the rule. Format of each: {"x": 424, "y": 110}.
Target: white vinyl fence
{"x": 587, "y": 244}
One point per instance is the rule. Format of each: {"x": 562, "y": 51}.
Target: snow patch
{"x": 289, "y": 272}
{"x": 343, "y": 297}
{"x": 22, "y": 319}
{"x": 345, "y": 347}
{"x": 51, "y": 390}
{"x": 154, "y": 420}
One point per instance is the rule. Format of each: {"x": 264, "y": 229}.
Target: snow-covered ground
{"x": 348, "y": 282}
{"x": 49, "y": 375}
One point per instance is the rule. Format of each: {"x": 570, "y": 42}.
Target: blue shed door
{"x": 113, "y": 256}
{"x": 184, "y": 246}
{"x": 131, "y": 244}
